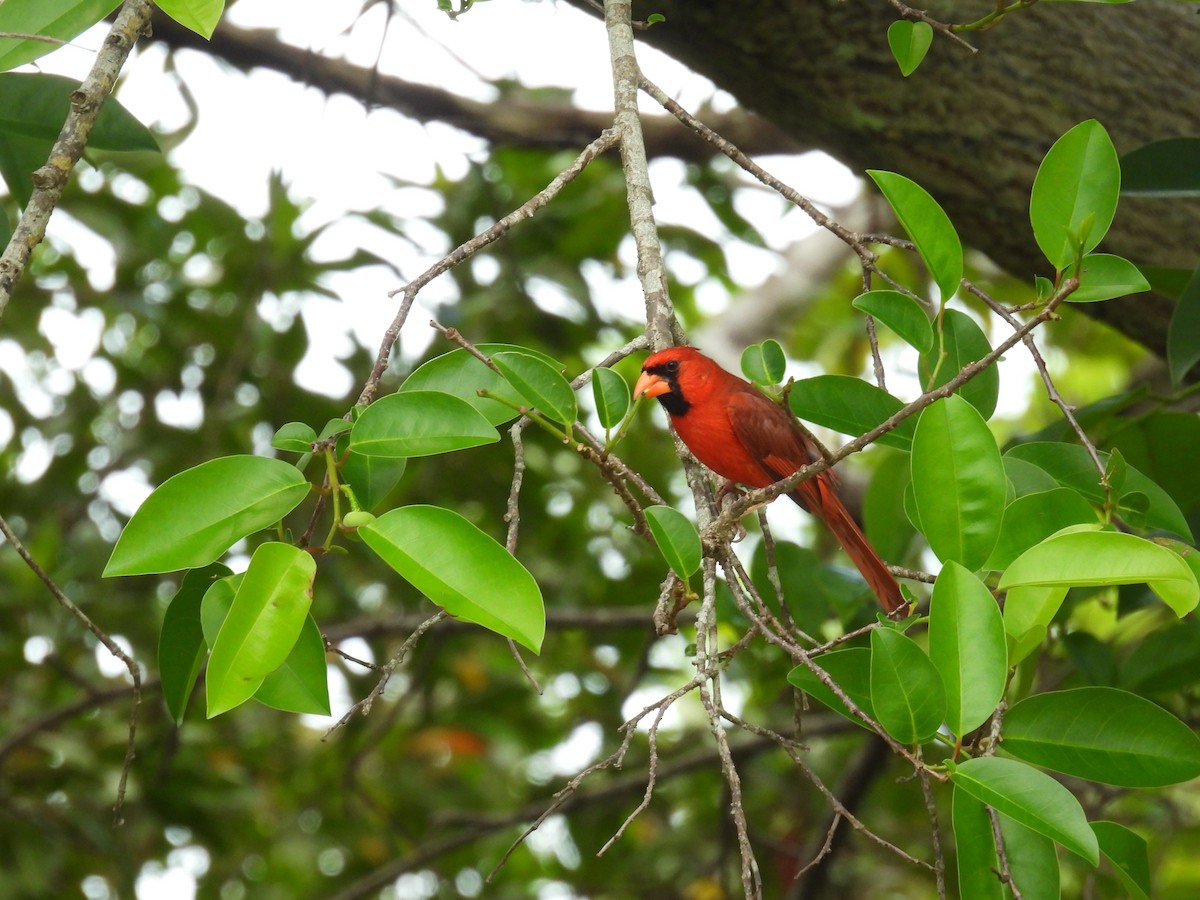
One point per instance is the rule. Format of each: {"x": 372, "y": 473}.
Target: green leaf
{"x": 958, "y": 482}
{"x": 301, "y": 683}
{"x": 1028, "y": 609}
{"x": 1032, "y": 860}
{"x": 33, "y": 112}
{"x": 968, "y": 646}
{"x": 294, "y": 437}
{"x": 901, "y": 313}
{"x": 1169, "y": 168}
{"x": 677, "y": 539}
{"x": 461, "y": 374}
{"x": 961, "y": 343}
{"x": 1032, "y": 798}
{"x": 611, "y": 394}
{"x": 764, "y": 363}
{"x": 1032, "y": 518}
{"x": 1127, "y": 852}
{"x": 1183, "y": 333}
{"x": 906, "y": 690}
{"x": 850, "y": 670}
{"x": 539, "y": 383}
{"x": 63, "y": 21}
{"x": 419, "y": 423}
{"x": 1071, "y": 466}
{"x": 201, "y": 16}
{"x": 909, "y": 42}
{"x": 1075, "y": 193}
{"x": 372, "y": 478}
{"x": 461, "y": 569}
{"x": 1106, "y": 276}
{"x": 1105, "y": 735}
{"x": 181, "y": 645}
{"x": 929, "y": 227}
{"x": 887, "y": 527}
{"x": 976, "y": 846}
{"x": 262, "y": 626}
{"x": 192, "y": 518}
{"x": 1082, "y": 558}
{"x": 851, "y": 406}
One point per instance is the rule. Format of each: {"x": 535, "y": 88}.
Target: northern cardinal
{"x": 744, "y": 436}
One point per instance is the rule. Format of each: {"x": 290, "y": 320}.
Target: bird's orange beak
{"x": 650, "y": 385}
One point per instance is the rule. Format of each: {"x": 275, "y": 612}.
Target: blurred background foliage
{"x": 188, "y": 351}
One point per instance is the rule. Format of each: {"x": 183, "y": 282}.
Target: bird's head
{"x": 677, "y": 377}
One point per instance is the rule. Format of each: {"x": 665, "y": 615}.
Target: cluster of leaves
{"x": 1033, "y": 523}
{"x": 1040, "y": 518}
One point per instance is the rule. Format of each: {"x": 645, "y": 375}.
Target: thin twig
{"x": 111, "y": 645}
{"x": 132, "y": 21}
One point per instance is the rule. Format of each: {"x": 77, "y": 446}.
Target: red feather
{"x": 743, "y": 435}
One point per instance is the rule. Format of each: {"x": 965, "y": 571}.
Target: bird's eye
{"x": 672, "y": 367}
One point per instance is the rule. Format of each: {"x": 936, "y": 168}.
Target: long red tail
{"x": 819, "y": 497}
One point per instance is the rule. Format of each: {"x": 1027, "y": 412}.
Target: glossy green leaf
{"x": 1079, "y": 558}
{"x": 1025, "y": 478}
{"x": 906, "y": 690}
{"x": 958, "y": 482}
{"x": 181, "y": 645}
{"x": 192, "y": 518}
{"x": 1032, "y": 860}
{"x": 215, "y": 606}
{"x": 1169, "y": 168}
{"x": 539, "y": 383}
{"x": 60, "y": 20}
{"x": 764, "y": 363}
{"x": 901, "y": 313}
{"x": 611, "y": 394}
{"x": 301, "y": 683}
{"x": 887, "y": 528}
{"x": 1106, "y": 276}
{"x": 463, "y": 375}
{"x": 1075, "y": 193}
{"x": 372, "y": 478}
{"x": 1105, "y": 735}
{"x": 295, "y": 437}
{"x": 461, "y": 569}
{"x": 929, "y": 227}
{"x": 851, "y": 406}
{"x": 1183, "y": 332}
{"x": 976, "y": 848}
{"x": 1130, "y": 859}
{"x": 268, "y": 612}
{"x": 31, "y": 116}
{"x": 1032, "y": 518}
{"x": 850, "y": 670}
{"x": 677, "y": 539}
{"x": 1071, "y": 466}
{"x": 1032, "y": 798}
{"x": 909, "y": 42}
{"x": 968, "y": 647}
{"x": 419, "y": 423}
{"x": 1030, "y": 607}
{"x": 960, "y": 343}
{"x": 201, "y": 16}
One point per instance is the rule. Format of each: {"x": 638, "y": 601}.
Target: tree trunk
{"x": 969, "y": 127}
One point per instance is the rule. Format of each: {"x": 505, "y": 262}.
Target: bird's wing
{"x": 766, "y": 431}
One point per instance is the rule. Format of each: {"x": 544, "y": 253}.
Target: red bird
{"x": 744, "y": 436}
